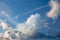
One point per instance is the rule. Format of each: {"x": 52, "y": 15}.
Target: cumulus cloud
{"x": 28, "y": 28}
{"x": 23, "y": 30}
{"x": 55, "y": 7}
{"x": 30, "y": 25}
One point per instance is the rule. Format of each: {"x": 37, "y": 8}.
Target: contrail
{"x": 13, "y": 21}
{"x": 36, "y": 9}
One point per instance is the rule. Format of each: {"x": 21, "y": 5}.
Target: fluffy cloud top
{"x": 30, "y": 26}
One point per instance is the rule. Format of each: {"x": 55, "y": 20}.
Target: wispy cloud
{"x": 5, "y": 12}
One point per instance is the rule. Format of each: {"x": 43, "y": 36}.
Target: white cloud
{"x": 55, "y": 7}
{"x": 23, "y": 30}
{"x": 5, "y": 26}
{"x": 27, "y": 28}
{"x": 30, "y": 25}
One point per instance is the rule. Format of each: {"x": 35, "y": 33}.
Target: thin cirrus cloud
{"x": 5, "y": 12}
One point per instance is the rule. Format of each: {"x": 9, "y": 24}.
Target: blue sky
{"x": 30, "y": 19}
{"x": 21, "y": 7}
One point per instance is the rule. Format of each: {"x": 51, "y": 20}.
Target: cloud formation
{"x": 23, "y": 31}
{"x": 55, "y": 7}
{"x": 5, "y": 26}
{"x": 30, "y": 27}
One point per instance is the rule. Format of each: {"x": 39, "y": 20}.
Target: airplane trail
{"x": 36, "y": 9}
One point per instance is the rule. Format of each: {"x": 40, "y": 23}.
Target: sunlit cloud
{"x": 5, "y": 26}
{"x": 23, "y": 30}
{"x": 30, "y": 25}
{"x": 54, "y": 12}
